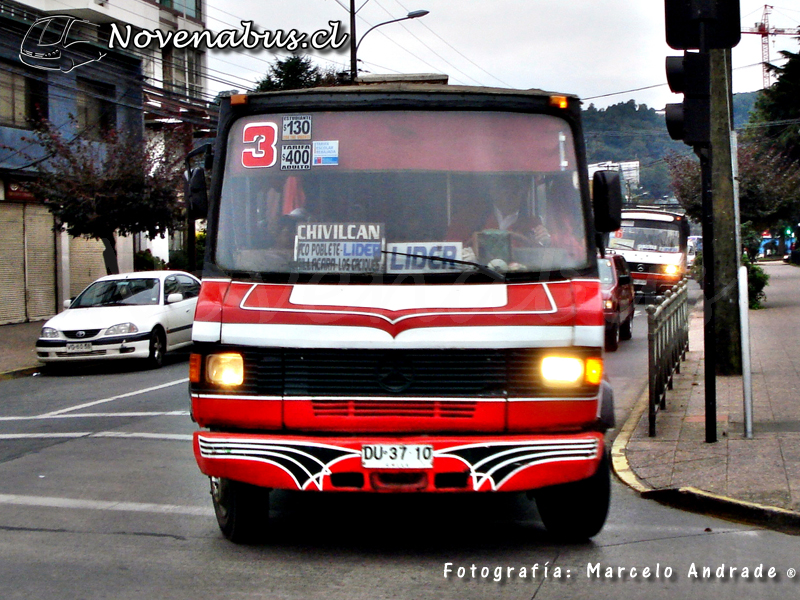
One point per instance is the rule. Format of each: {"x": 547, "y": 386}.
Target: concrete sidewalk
{"x": 753, "y": 479}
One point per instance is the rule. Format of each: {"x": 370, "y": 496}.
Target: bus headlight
{"x": 566, "y": 371}
{"x": 671, "y": 269}
{"x": 225, "y": 369}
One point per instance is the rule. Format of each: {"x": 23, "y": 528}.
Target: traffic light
{"x": 690, "y": 75}
{"x": 702, "y": 24}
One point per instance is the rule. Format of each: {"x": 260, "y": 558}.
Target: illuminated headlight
{"x": 49, "y": 332}
{"x": 609, "y": 304}
{"x": 570, "y": 370}
{"x": 671, "y": 269}
{"x": 122, "y": 329}
{"x": 225, "y": 369}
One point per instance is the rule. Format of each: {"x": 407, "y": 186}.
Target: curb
{"x": 619, "y": 458}
{"x": 693, "y": 499}
{"x": 17, "y": 373}
{"x": 700, "y": 501}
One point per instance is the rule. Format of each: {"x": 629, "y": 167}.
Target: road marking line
{"x": 50, "y": 502}
{"x": 171, "y": 413}
{"x": 43, "y": 436}
{"x": 181, "y": 437}
{"x": 112, "y": 398}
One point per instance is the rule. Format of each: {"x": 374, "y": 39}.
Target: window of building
{"x": 182, "y": 71}
{"x": 96, "y": 109}
{"x": 189, "y": 8}
{"x": 193, "y": 59}
{"x": 23, "y": 100}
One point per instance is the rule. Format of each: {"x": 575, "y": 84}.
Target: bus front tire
{"x": 577, "y": 511}
{"x": 242, "y": 510}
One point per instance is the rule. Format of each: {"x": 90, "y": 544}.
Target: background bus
{"x": 654, "y": 242}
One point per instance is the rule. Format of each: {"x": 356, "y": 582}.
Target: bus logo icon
{"x": 47, "y": 44}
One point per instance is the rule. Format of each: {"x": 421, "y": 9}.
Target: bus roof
{"x": 655, "y": 215}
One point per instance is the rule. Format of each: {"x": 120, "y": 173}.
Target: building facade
{"x": 95, "y": 89}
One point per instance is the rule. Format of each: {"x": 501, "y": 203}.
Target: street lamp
{"x": 414, "y": 14}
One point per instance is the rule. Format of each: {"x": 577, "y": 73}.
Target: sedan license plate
{"x": 79, "y": 347}
{"x": 397, "y": 456}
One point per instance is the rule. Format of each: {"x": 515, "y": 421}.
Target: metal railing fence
{"x": 667, "y": 342}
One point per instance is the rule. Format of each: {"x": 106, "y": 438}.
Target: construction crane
{"x": 764, "y": 30}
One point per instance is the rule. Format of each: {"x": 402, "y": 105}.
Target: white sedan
{"x": 133, "y": 315}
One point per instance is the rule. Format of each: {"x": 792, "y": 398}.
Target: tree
{"x": 123, "y": 185}
{"x": 769, "y": 184}
{"x": 777, "y": 109}
{"x": 684, "y": 171}
{"x": 293, "y": 73}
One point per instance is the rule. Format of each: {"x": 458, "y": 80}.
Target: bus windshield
{"x": 646, "y": 236}
{"x": 401, "y": 192}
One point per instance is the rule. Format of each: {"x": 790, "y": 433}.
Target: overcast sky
{"x": 591, "y": 48}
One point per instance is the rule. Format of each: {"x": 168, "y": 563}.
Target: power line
{"x": 425, "y": 25}
{"x": 412, "y": 34}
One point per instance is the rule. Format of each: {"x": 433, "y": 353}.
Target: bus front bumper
{"x": 435, "y": 463}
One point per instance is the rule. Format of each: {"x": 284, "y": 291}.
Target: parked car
{"x": 691, "y": 254}
{"x": 133, "y": 315}
{"x": 618, "y": 299}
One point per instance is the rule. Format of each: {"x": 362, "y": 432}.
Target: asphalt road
{"x": 101, "y": 498}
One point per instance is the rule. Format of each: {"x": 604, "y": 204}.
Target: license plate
{"x": 397, "y": 456}
{"x": 79, "y": 347}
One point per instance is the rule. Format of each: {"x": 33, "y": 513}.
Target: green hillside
{"x": 628, "y": 132}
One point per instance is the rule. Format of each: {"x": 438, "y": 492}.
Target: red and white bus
{"x": 654, "y": 242}
{"x": 401, "y": 295}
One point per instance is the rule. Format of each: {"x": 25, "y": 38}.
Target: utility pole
{"x": 726, "y": 220}
{"x": 353, "y": 43}
{"x": 704, "y": 26}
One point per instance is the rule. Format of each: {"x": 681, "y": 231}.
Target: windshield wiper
{"x": 483, "y": 269}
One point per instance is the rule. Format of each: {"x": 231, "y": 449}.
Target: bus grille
{"x": 348, "y": 373}
{"x": 387, "y": 408}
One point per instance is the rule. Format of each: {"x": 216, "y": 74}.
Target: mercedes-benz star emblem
{"x": 395, "y": 375}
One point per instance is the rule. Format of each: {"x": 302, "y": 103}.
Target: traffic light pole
{"x": 700, "y": 25}
{"x": 706, "y": 156}
{"x": 709, "y": 290}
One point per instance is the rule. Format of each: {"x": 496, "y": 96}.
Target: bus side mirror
{"x": 195, "y": 192}
{"x": 607, "y": 200}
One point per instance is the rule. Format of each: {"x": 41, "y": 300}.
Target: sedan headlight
{"x": 225, "y": 369}
{"x": 566, "y": 371}
{"x": 122, "y": 329}
{"x": 49, "y": 332}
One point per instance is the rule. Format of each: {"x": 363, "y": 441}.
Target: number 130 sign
{"x": 264, "y": 137}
